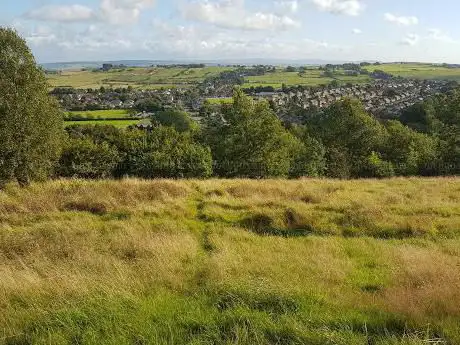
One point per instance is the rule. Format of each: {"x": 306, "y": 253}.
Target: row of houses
{"x": 380, "y": 97}
{"x": 84, "y": 100}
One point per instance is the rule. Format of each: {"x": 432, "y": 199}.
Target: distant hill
{"x": 145, "y": 63}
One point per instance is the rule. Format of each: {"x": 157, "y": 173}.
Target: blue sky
{"x": 351, "y": 30}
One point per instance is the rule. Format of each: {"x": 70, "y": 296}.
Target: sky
{"x": 332, "y": 30}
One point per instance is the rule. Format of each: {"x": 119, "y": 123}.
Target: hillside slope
{"x": 231, "y": 262}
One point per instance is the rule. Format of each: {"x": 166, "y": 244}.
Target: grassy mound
{"x": 231, "y": 262}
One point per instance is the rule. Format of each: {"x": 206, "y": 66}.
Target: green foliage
{"x": 175, "y": 118}
{"x": 164, "y": 152}
{"x": 84, "y": 158}
{"x": 310, "y": 159}
{"x": 411, "y": 152}
{"x": 377, "y": 167}
{"x": 30, "y": 121}
{"x": 250, "y": 140}
{"x": 149, "y": 105}
{"x": 346, "y": 127}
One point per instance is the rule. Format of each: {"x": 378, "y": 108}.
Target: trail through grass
{"x": 231, "y": 262}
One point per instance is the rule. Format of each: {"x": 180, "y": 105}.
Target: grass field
{"x": 102, "y": 114}
{"x": 419, "y": 71}
{"x": 310, "y": 78}
{"x": 148, "y": 78}
{"x": 154, "y": 78}
{"x": 116, "y": 123}
{"x": 231, "y": 262}
{"x": 116, "y": 117}
{"x": 225, "y": 100}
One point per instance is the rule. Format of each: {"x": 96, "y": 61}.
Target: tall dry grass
{"x": 231, "y": 262}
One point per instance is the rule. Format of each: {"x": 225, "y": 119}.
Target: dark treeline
{"x": 242, "y": 139}
{"x": 246, "y": 139}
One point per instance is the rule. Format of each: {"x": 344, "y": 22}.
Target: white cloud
{"x": 410, "y": 40}
{"x": 200, "y": 42}
{"x": 347, "y": 7}
{"x": 401, "y": 20}
{"x": 287, "y": 6}
{"x": 357, "y": 31}
{"x": 439, "y": 35}
{"x": 123, "y": 11}
{"x": 233, "y": 14}
{"x": 58, "y": 13}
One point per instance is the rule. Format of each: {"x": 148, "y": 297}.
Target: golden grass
{"x": 231, "y": 262}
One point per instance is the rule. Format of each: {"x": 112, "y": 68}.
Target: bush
{"x": 85, "y": 159}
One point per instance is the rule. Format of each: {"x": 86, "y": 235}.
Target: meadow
{"x": 419, "y": 71}
{"x": 231, "y": 262}
{"x": 162, "y": 77}
{"x": 144, "y": 78}
{"x": 102, "y": 114}
{"x": 116, "y": 123}
{"x": 120, "y": 118}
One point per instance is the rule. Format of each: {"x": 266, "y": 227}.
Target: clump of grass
{"x": 259, "y": 223}
{"x": 86, "y": 206}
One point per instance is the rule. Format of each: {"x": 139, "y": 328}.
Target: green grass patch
{"x": 102, "y": 114}
{"x": 226, "y": 100}
{"x": 116, "y": 123}
{"x": 240, "y": 262}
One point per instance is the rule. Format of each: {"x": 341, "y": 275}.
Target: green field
{"x": 116, "y": 123}
{"x": 269, "y": 262}
{"x": 102, "y": 114}
{"x": 225, "y": 100}
{"x": 161, "y": 77}
{"x": 419, "y": 71}
{"x": 116, "y": 117}
{"x": 149, "y": 78}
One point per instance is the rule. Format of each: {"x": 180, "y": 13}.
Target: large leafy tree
{"x": 350, "y": 136}
{"x": 411, "y": 152}
{"x": 248, "y": 140}
{"x": 178, "y": 119}
{"x": 164, "y": 152}
{"x": 30, "y": 121}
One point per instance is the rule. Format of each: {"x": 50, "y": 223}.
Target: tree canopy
{"x": 31, "y": 124}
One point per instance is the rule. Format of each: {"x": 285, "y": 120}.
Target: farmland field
{"x": 161, "y": 77}
{"x": 103, "y": 114}
{"x": 419, "y": 71}
{"x": 231, "y": 262}
{"x": 116, "y": 123}
{"x": 149, "y": 78}
{"x": 225, "y": 100}
{"x": 310, "y": 78}
{"x": 115, "y": 117}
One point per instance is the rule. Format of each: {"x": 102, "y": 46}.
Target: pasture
{"x": 116, "y": 123}
{"x": 231, "y": 262}
{"x": 145, "y": 78}
{"x": 116, "y": 117}
{"x": 101, "y": 114}
{"x": 225, "y": 100}
{"x": 311, "y": 77}
{"x": 418, "y": 71}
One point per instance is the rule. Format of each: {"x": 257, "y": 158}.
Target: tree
{"x": 86, "y": 159}
{"x": 345, "y": 126}
{"x": 31, "y": 124}
{"x": 377, "y": 167}
{"x": 249, "y": 140}
{"x": 149, "y": 105}
{"x": 310, "y": 159}
{"x": 164, "y": 152}
{"x": 179, "y": 120}
{"x": 411, "y": 153}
